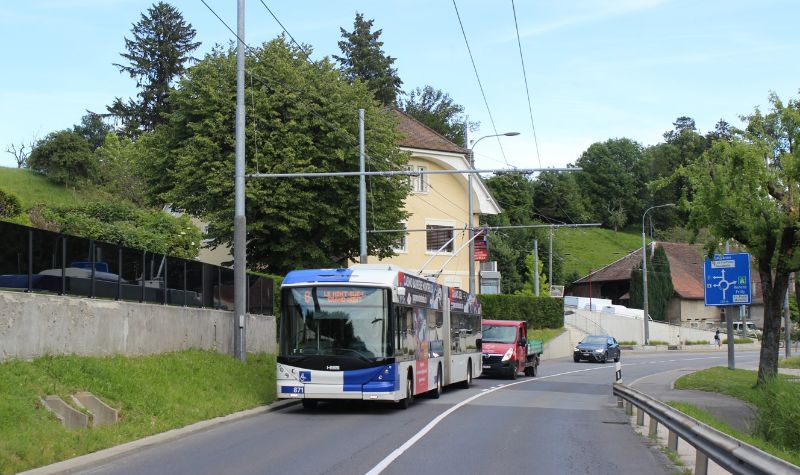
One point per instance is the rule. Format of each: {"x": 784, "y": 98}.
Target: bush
{"x": 658, "y": 343}
{"x": 539, "y": 312}
{"x": 10, "y": 205}
{"x": 628, "y": 343}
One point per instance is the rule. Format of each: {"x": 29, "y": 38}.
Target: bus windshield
{"x": 335, "y": 321}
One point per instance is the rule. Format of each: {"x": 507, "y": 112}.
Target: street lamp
{"x": 469, "y": 198}
{"x": 644, "y": 274}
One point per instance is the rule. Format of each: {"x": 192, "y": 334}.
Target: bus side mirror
{"x": 479, "y": 344}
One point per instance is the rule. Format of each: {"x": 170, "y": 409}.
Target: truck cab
{"x": 506, "y": 349}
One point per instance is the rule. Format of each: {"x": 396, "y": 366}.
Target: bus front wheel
{"x": 406, "y": 402}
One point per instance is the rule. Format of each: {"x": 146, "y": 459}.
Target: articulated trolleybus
{"x": 374, "y": 332}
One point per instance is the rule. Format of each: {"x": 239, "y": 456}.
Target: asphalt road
{"x": 563, "y": 421}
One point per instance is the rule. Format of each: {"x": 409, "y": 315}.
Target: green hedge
{"x": 539, "y": 312}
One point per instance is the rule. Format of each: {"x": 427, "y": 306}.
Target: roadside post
{"x": 726, "y": 280}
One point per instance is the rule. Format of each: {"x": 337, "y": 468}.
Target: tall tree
{"x": 93, "y": 128}
{"x": 748, "y": 190}
{"x": 309, "y": 127}
{"x": 613, "y": 178}
{"x": 363, "y": 58}
{"x": 436, "y": 109}
{"x": 659, "y": 285}
{"x": 157, "y": 55}
{"x": 558, "y": 197}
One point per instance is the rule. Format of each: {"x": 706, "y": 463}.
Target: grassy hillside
{"x": 32, "y": 189}
{"x": 584, "y": 249}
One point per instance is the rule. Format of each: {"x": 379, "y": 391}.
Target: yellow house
{"x": 439, "y": 208}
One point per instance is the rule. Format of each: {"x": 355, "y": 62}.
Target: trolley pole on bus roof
{"x": 239, "y": 222}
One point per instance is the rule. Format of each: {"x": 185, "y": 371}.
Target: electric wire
{"x": 527, "y": 91}
{"x": 480, "y": 84}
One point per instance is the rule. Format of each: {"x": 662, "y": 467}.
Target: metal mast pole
{"x": 239, "y": 222}
{"x": 644, "y": 286}
{"x": 536, "y": 267}
{"x": 729, "y": 323}
{"x": 362, "y": 190}
{"x": 550, "y": 263}
{"x": 470, "y": 211}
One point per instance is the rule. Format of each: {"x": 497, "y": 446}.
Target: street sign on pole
{"x": 727, "y": 280}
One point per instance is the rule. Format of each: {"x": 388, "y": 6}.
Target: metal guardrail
{"x": 729, "y": 453}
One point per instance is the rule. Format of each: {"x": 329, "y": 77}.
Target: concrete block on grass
{"x": 69, "y": 417}
{"x": 102, "y": 413}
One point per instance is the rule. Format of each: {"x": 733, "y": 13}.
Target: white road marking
{"x": 381, "y": 466}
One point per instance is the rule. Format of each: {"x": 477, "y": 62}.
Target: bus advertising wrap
{"x": 464, "y": 302}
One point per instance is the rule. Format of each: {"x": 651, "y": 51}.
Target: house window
{"x": 437, "y": 236}
{"x": 419, "y": 183}
{"x": 400, "y": 244}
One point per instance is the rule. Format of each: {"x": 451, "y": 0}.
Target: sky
{"x": 596, "y": 69}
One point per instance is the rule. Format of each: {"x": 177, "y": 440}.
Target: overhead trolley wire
{"x": 480, "y": 84}
{"x": 527, "y": 91}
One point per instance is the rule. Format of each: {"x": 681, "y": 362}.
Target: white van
{"x": 752, "y": 331}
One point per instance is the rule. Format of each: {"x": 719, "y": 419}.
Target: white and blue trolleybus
{"x": 374, "y": 332}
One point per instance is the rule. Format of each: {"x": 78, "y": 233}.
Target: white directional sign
{"x": 727, "y": 280}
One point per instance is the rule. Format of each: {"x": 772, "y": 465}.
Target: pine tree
{"x": 659, "y": 285}
{"x": 158, "y": 54}
{"x": 362, "y": 58}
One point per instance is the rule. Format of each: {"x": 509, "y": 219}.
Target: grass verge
{"x": 777, "y": 403}
{"x": 793, "y": 362}
{"x": 153, "y": 393}
{"x": 546, "y": 334}
{"x": 708, "y": 419}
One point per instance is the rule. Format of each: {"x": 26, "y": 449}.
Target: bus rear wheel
{"x": 406, "y": 401}
{"x": 437, "y": 391}
{"x": 309, "y": 403}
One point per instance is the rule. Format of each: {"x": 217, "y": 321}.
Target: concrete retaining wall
{"x": 32, "y": 325}
{"x": 625, "y": 328}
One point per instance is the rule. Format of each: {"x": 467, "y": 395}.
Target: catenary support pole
{"x": 549, "y": 263}
{"x": 239, "y": 222}
{"x": 536, "y": 267}
{"x": 470, "y": 211}
{"x": 362, "y": 190}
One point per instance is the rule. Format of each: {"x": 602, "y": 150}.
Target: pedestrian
{"x": 716, "y": 339}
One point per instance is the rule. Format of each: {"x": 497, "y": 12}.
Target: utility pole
{"x": 550, "y": 262}
{"x": 536, "y": 267}
{"x": 362, "y": 190}
{"x": 239, "y": 222}
{"x": 470, "y": 211}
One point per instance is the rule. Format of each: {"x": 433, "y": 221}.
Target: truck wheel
{"x": 528, "y": 371}
{"x": 406, "y": 401}
{"x": 514, "y": 370}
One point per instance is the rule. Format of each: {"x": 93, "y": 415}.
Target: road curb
{"x": 95, "y": 458}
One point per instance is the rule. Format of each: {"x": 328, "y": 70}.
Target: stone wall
{"x": 32, "y": 325}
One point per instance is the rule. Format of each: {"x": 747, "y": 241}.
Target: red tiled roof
{"x": 685, "y": 265}
{"x": 418, "y": 135}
